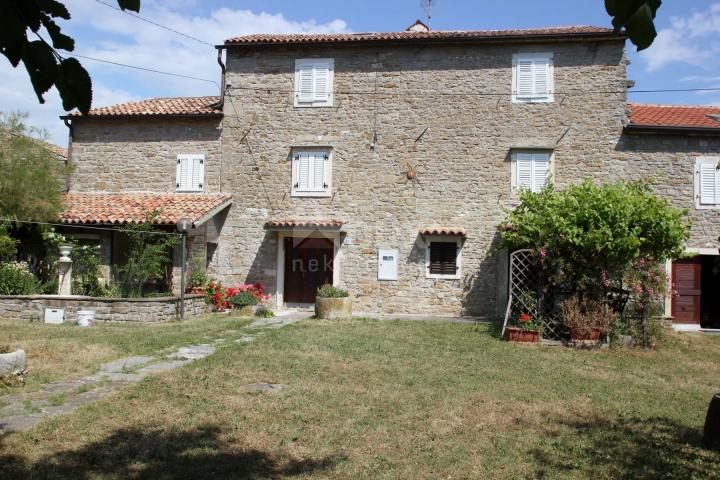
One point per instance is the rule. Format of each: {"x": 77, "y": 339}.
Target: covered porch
{"x": 102, "y": 220}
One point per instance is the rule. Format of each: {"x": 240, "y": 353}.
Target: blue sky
{"x": 685, "y": 55}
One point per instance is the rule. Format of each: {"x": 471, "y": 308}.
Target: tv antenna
{"x": 427, "y": 6}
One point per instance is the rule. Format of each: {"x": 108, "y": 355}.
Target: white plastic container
{"x": 85, "y": 318}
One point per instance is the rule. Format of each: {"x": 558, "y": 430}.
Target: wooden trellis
{"x": 526, "y": 295}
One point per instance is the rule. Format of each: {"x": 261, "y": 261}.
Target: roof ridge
{"x": 671, "y": 105}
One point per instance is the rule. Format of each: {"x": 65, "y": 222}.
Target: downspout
{"x": 221, "y": 103}
{"x": 68, "y": 160}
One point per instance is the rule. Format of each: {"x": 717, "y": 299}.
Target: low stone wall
{"x": 140, "y": 310}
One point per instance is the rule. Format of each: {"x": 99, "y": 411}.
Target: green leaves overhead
{"x": 74, "y": 85}
{"x": 133, "y": 5}
{"x": 40, "y": 63}
{"x": 636, "y": 17}
{"x": 44, "y": 64}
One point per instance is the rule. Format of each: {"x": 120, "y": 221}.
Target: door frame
{"x": 302, "y": 234}
{"x": 709, "y": 251}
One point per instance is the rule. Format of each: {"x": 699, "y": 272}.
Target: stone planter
{"x": 331, "y": 308}
{"x": 520, "y": 335}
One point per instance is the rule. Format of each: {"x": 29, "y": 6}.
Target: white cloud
{"x": 111, "y": 35}
{"x": 693, "y": 40}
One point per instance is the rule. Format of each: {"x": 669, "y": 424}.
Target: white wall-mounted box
{"x": 387, "y": 264}
{"x": 55, "y": 315}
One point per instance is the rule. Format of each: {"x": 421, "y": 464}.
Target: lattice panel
{"x": 525, "y": 294}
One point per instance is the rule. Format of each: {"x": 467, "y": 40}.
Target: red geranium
{"x": 525, "y": 318}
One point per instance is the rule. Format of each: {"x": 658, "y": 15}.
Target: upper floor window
{"x": 707, "y": 182}
{"x": 532, "y": 77}
{"x": 190, "y": 173}
{"x": 314, "y": 82}
{"x": 311, "y": 174}
{"x": 531, "y": 170}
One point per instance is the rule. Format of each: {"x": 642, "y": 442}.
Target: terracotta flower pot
{"x": 195, "y": 290}
{"x": 593, "y": 336}
{"x": 513, "y": 334}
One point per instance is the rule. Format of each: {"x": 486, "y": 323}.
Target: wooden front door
{"x": 308, "y": 265}
{"x": 686, "y": 276}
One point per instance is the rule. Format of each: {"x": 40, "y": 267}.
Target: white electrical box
{"x": 54, "y": 315}
{"x": 388, "y": 264}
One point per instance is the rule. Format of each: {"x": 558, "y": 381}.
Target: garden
{"x": 588, "y": 263}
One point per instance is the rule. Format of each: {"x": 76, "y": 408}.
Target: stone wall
{"x": 462, "y": 160}
{"x": 668, "y": 163}
{"x": 145, "y": 310}
{"x": 140, "y": 155}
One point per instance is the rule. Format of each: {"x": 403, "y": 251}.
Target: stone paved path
{"x": 20, "y": 412}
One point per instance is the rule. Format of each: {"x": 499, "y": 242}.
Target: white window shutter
{"x": 318, "y": 172}
{"x": 303, "y": 175}
{"x": 541, "y": 77}
{"x": 524, "y": 165}
{"x": 305, "y": 90}
{"x": 541, "y": 163}
{"x": 524, "y": 78}
{"x": 321, "y": 82}
{"x": 179, "y": 174}
{"x": 198, "y": 173}
{"x": 709, "y": 184}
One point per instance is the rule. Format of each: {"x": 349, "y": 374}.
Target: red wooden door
{"x": 686, "y": 276}
{"x": 308, "y": 265}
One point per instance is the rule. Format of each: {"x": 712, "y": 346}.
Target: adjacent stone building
{"x": 383, "y": 163}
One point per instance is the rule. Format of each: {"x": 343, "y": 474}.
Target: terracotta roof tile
{"x": 304, "y": 223}
{"x": 131, "y": 208}
{"x": 455, "y": 231}
{"x": 191, "y": 106}
{"x": 438, "y": 35}
{"x": 674, "y": 116}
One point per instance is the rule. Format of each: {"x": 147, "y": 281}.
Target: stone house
{"x": 383, "y": 162}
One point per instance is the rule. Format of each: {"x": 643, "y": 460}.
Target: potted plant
{"x": 587, "y": 320}
{"x": 527, "y": 330}
{"x": 332, "y": 302}
{"x": 216, "y": 295}
{"x": 245, "y": 299}
{"x": 197, "y": 281}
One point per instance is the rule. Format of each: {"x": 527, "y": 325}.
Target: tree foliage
{"x": 587, "y": 232}
{"x": 33, "y": 178}
{"x": 149, "y": 254}
{"x": 636, "y": 17}
{"x": 45, "y": 65}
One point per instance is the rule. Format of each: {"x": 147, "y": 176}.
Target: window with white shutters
{"x": 707, "y": 183}
{"x": 190, "y": 173}
{"x": 531, "y": 170}
{"x": 314, "y": 82}
{"x": 533, "y": 77}
{"x": 311, "y": 174}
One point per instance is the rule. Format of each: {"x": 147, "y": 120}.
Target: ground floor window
{"x": 443, "y": 258}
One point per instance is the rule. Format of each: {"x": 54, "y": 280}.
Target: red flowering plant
{"x": 528, "y": 323}
{"x": 216, "y": 295}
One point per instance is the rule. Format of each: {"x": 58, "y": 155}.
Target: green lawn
{"x": 67, "y": 351}
{"x": 385, "y": 399}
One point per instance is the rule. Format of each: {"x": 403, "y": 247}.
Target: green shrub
{"x": 244, "y": 299}
{"x": 264, "y": 312}
{"x": 198, "y": 278}
{"x": 587, "y": 236}
{"x": 16, "y": 279}
{"x": 330, "y": 291}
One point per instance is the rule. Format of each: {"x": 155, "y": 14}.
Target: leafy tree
{"x": 149, "y": 254}
{"x": 44, "y": 64}
{"x": 589, "y": 236}
{"x": 32, "y": 180}
{"x": 637, "y": 17}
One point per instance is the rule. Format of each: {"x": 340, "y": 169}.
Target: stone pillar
{"x": 65, "y": 271}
